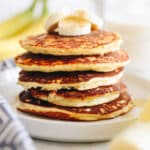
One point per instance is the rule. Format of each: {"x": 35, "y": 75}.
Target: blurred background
{"x": 20, "y": 18}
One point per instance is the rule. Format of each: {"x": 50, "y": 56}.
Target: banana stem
{"x": 31, "y": 8}
{"x": 45, "y": 8}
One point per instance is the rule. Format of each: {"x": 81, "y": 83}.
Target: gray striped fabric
{"x": 12, "y": 134}
{"x": 7, "y": 64}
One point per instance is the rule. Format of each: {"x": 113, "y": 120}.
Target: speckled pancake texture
{"x": 73, "y": 77}
{"x": 67, "y": 80}
{"x": 97, "y": 42}
{"x": 75, "y": 98}
{"x": 101, "y": 90}
{"x": 49, "y": 63}
{"x": 109, "y": 110}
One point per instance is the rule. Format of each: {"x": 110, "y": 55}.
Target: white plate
{"x": 77, "y": 131}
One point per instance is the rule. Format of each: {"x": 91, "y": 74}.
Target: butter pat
{"x": 137, "y": 137}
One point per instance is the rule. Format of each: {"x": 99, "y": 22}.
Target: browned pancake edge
{"x": 49, "y": 60}
{"x": 54, "y": 41}
{"x": 64, "y": 77}
{"x": 75, "y": 94}
{"x": 123, "y": 100}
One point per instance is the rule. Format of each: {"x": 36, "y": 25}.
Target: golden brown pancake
{"x": 67, "y": 80}
{"x": 49, "y": 63}
{"x": 97, "y": 42}
{"x": 75, "y": 98}
{"x": 117, "y": 107}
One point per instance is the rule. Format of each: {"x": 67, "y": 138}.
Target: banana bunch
{"x": 18, "y": 27}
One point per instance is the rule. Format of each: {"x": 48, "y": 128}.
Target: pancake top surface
{"x": 49, "y": 60}
{"x": 64, "y": 77}
{"x": 54, "y": 41}
{"x": 105, "y": 108}
{"x": 101, "y": 90}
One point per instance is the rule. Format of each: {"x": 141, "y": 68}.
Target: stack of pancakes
{"x": 73, "y": 78}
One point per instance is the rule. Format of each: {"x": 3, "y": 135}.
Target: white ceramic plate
{"x": 70, "y": 131}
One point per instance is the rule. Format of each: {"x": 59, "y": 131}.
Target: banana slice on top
{"x": 75, "y": 23}
{"x": 95, "y": 20}
{"x": 73, "y": 26}
{"x": 52, "y": 22}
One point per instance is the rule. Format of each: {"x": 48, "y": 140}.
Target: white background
{"x": 11, "y": 7}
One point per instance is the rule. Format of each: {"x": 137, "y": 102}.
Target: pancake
{"x": 97, "y": 42}
{"x": 49, "y": 63}
{"x": 117, "y": 107}
{"x": 68, "y": 80}
{"x": 74, "y": 98}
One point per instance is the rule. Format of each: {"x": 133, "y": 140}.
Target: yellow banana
{"x": 37, "y": 26}
{"x": 17, "y": 23}
{"x": 11, "y": 47}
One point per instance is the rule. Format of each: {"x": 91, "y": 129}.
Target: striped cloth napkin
{"x": 13, "y": 136}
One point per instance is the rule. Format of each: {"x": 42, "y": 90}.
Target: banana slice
{"x": 96, "y": 21}
{"x": 75, "y": 23}
{"x": 52, "y": 22}
{"x": 73, "y": 26}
